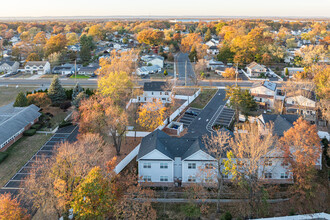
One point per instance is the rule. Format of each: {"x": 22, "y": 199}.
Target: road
{"x": 93, "y": 82}
{"x": 185, "y": 68}
{"x": 175, "y": 200}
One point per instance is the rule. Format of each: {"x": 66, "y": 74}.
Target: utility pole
{"x": 236, "y": 72}
{"x": 75, "y": 70}
{"x": 174, "y": 71}
{"x": 185, "y": 74}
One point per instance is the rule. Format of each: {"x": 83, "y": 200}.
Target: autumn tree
{"x": 189, "y": 40}
{"x": 40, "y": 99}
{"x": 99, "y": 114}
{"x": 95, "y": 196}
{"x": 77, "y": 100}
{"x": 56, "y": 43}
{"x": 218, "y": 144}
{"x": 96, "y": 31}
{"x": 40, "y": 38}
{"x": 207, "y": 36}
{"x": 302, "y": 150}
{"x": 151, "y": 37}
{"x": 72, "y": 38}
{"x": 53, "y": 182}
{"x": 33, "y": 57}
{"x": 229, "y": 73}
{"x": 151, "y": 115}
{"x": 247, "y": 162}
{"x": 10, "y": 208}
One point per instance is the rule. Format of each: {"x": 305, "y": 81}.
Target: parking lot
{"x": 225, "y": 117}
{"x": 189, "y": 116}
{"x": 63, "y": 134}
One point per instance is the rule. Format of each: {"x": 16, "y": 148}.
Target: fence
{"x": 127, "y": 159}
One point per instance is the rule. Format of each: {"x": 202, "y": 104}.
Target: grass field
{"x": 19, "y": 153}
{"x": 79, "y": 77}
{"x": 8, "y": 94}
{"x": 203, "y": 98}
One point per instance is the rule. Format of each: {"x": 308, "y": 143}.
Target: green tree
{"x": 95, "y": 196}
{"x": 286, "y": 71}
{"x": 21, "y": 100}
{"x": 56, "y": 92}
{"x": 81, "y": 96}
{"x": 225, "y": 54}
{"x": 87, "y": 45}
{"x": 76, "y": 90}
{"x": 193, "y": 54}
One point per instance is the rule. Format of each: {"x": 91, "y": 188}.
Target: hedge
{"x": 64, "y": 124}
{"x": 36, "y": 126}
{"x": 30, "y": 132}
{"x": 3, "y": 156}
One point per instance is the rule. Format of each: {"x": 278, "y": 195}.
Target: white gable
{"x": 155, "y": 155}
{"x": 200, "y": 155}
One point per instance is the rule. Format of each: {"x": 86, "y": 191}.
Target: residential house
{"x": 213, "y": 50}
{"x": 75, "y": 48}
{"x": 7, "y": 66}
{"x": 37, "y": 67}
{"x": 212, "y": 42}
{"x": 255, "y": 70}
{"x": 64, "y": 69}
{"x": 301, "y": 102}
{"x": 293, "y": 70}
{"x": 155, "y": 90}
{"x": 145, "y": 70}
{"x": 214, "y": 65}
{"x": 165, "y": 160}
{"x": 153, "y": 60}
{"x": 265, "y": 93}
{"x": 88, "y": 70}
{"x": 14, "y": 121}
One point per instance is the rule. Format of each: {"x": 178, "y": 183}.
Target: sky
{"x": 37, "y": 8}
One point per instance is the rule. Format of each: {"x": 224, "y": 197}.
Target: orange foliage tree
{"x": 39, "y": 99}
{"x": 151, "y": 37}
{"x": 10, "y": 209}
{"x": 229, "y": 73}
{"x": 302, "y": 150}
{"x": 99, "y": 114}
{"x": 189, "y": 41}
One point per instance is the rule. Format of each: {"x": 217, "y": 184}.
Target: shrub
{"x": 64, "y": 124}
{"x": 30, "y": 132}
{"x": 65, "y": 105}
{"x": 21, "y": 100}
{"x": 36, "y": 126}
{"x": 191, "y": 210}
{"x": 39, "y": 99}
{"x": 3, "y": 156}
{"x": 226, "y": 216}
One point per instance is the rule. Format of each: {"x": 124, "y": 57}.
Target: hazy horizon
{"x": 177, "y": 8}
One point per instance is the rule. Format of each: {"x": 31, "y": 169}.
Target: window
{"x": 268, "y": 175}
{"x": 147, "y": 178}
{"x": 225, "y": 176}
{"x": 147, "y": 165}
{"x": 166, "y": 93}
{"x": 163, "y": 165}
{"x": 191, "y": 165}
{"x": 292, "y": 102}
{"x": 209, "y": 166}
{"x": 163, "y": 178}
{"x": 284, "y": 176}
{"x": 285, "y": 164}
{"x": 192, "y": 179}
{"x": 268, "y": 162}
{"x": 160, "y": 93}
{"x": 152, "y": 93}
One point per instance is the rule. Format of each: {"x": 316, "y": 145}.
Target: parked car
{"x": 190, "y": 112}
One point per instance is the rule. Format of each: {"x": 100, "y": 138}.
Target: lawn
{"x": 19, "y": 153}
{"x": 58, "y": 116}
{"x": 79, "y": 77}
{"x": 203, "y": 98}
{"x": 8, "y": 94}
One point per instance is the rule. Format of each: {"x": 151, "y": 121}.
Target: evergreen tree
{"x": 76, "y": 90}
{"x": 56, "y": 92}
{"x": 21, "y": 100}
{"x": 193, "y": 54}
{"x": 78, "y": 99}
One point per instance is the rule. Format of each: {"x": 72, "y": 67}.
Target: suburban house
{"x": 145, "y": 70}
{"x": 212, "y": 42}
{"x": 293, "y": 70}
{"x": 14, "y": 121}
{"x": 64, "y": 69}
{"x": 165, "y": 160}
{"x": 8, "y": 66}
{"x": 75, "y": 48}
{"x": 213, "y": 50}
{"x": 255, "y": 70}
{"x": 214, "y": 65}
{"x": 37, "y": 67}
{"x": 88, "y": 70}
{"x": 265, "y": 93}
{"x": 153, "y": 60}
{"x": 302, "y": 102}
{"x": 156, "y": 91}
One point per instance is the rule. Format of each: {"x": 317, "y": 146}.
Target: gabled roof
{"x": 169, "y": 146}
{"x": 267, "y": 84}
{"x": 282, "y": 123}
{"x": 36, "y": 63}
{"x": 14, "y": 119}
{"x": 156, "y": 86}
{"x": 303, "y": 92}
{"x": 254, "y": 64}
{"x": 10, "y": 63}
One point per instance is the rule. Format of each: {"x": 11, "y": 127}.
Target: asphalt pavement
{"x": 185, "y": 69}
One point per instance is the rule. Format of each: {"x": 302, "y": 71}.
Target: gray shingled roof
{"x": 156, "y": 86}
{"x": 13, "y": 119}
{"x": 170, "y": 146}
{"x": 282, "y": 123}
